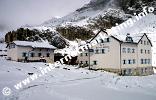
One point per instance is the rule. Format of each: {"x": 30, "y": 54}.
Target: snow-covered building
{"x": 123, "y": 54}
{"x": 30, "y": 51}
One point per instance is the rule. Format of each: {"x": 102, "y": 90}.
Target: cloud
{"x": 16, "y": 13}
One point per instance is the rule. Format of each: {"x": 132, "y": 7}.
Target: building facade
{"x": 125, "y": 55}
{"x": 30, "y": 51}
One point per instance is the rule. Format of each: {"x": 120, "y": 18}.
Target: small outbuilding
{"x": 26, "y": 51}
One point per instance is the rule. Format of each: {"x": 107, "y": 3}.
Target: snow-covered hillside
{"x": 81, "y": 15}
{"x": 70, "y": 83}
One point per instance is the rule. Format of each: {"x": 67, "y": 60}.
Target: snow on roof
{"x": 122, "y": 37}
{"x": 135, "y": 37}
{"x": 44, "y": 44}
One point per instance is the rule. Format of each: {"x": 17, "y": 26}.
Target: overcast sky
{"x": 15, "y": 13}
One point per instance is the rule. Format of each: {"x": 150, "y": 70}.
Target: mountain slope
{"x": 100, "y": 7}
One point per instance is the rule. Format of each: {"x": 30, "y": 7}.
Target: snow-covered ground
{"x": 73, "y": 84}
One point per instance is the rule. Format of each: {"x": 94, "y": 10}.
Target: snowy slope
{"x": 73, "y": 84}
{"x": 81, "y": 15}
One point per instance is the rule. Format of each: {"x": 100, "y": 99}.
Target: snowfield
{"x": 73, "y": 84}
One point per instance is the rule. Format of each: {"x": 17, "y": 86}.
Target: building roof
{"x": 34, "y": 44}
{"x": 122, "y": 37}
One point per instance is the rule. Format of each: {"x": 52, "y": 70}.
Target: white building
{"x": 31, "y": 51}
{"x": 124, "y": 55}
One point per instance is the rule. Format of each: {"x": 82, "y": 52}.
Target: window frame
{"x": 144, "y": 42}
{"x": 141, "y": 41}
{"x": 142, "y": 61}
{"x": 129, "y": 61}
{"x": 124, "y": 62}
{"x": 134, "y": 61}
{"x": 24, "y": 54}
{"x": 103, "y": 51}
{"x": 32, "y": 54}
{"x": 128, "y": 50}
{"x": 123, "y": 50}
{"x": 39, "y": 54}
{"x": 47, "y": 54}
{"x": 86, "y": 54}
{"x": 141, "y": 51}
{"x": 97, "y": 51}
{"x": 149, "y": 52}
{"x": 133, "y": 50}
{"x": 81, "y": 54}
{"x": 95, "y": 62}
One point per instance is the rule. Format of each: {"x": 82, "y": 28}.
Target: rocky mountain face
{"x": 124, "y": 8}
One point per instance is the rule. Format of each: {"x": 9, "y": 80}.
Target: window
{"x": 11, "y": 46}
{"x": 48, "y": 54}
{"x": 134, "y": 61}
{"x": 102, "y": 41}
{"x": 133, "y": 50}
{"x": 124, "y": 62}
{"x": 141, "y": 41}
{"x": 91, "y": 50}
{"x": 24, "y": 54}
{"x": 141, "y": 50}
{"x": 48, "y": 49}
{"x": 86, "y": 54}
{"x": 32, "y": 55}
{"x": 124, "y": 71}
{"x": 144, "y": 42}
{"x": 39, "y": 54}
{"x": 142, "y": 70}
{"x": 145, "y": 51}
{"x": 95, "y": 62}
{"x": 124, "y": 50}
{"x": 81, "y": 62}
{"x": 86, "y": 62}
{"x": 129, "y": 71}
{"x": 145, "y": 61}
{"x": 81, "y": 54}
{"x": 108, "y": 40}
{"x": 129, "y": 61}
{"x": 103, "y": 50}
{"x": 145, "y": 70}
{"x": 129, "y": 39}
{"x": 142, "y": 61}
{"x": 97, "y": 51}
{"x": 149, "y": 61}
{"x": 148, "y": 51}
{"x": 129, "y": 50}
{"x": 147, "y": 42}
